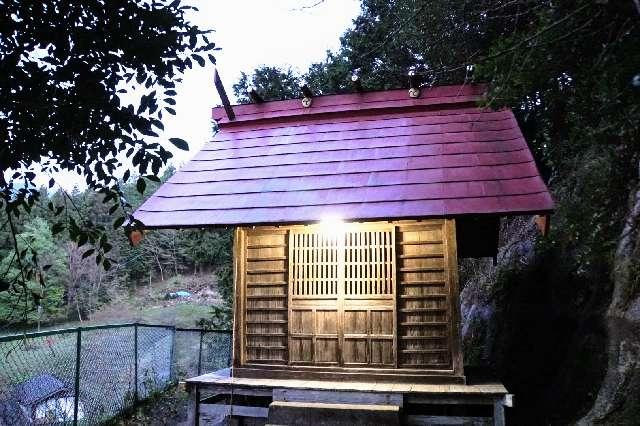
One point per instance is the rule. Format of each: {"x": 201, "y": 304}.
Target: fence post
{"x": 171, "y": 354}
{"x": 200, "y": 354}
{"x": 77, "y": 378}
{"x": 135, "y": 362}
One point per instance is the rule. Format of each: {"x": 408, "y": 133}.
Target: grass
{"x": 148, "y": 305}
{"x": 181, "y": 315}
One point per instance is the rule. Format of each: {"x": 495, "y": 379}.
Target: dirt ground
{"x": 167, "y": 408}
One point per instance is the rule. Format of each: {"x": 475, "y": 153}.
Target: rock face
{"x": 618, "y": 399}
{"x": 481, "y": 307}
{"x": 567, "y": 346}
{"x": 534, "y": 327}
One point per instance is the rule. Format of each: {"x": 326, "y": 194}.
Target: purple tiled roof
{"x": 377, "y": 155}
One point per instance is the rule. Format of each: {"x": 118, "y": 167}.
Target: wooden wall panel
{"x": 424, "y": 296}
{"x": 265, "y": 296}
{"x": 380, "y": 295}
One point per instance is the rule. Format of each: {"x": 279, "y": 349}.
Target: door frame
{"x": 341, "y": 302}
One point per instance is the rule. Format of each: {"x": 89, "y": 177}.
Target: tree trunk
{"x": 160, "y": 269}
{"x": 78, "y": 307}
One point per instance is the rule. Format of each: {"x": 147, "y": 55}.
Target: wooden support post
{"x": 223, "y": 95}
{"x": 192, "y": 410}
{"x": 200, "y": 354}
{"x": 498, "y": 412}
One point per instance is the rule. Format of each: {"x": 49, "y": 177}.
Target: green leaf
{"x": 125, "y": 176}
{"x": 118, "y": 222}
{"x": 179, "y": 143}
{"x": 198, "y": 59}
{"x": 57, "y": 228}
{"x": 157, "y": 123}
{"x": 149, "y": 132}
{"x": 141, "y": 185}
{"x": 4, "y": 285}
{"x": 88, "y": 253}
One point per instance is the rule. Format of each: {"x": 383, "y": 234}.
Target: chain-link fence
{"x": 88, "y": 375}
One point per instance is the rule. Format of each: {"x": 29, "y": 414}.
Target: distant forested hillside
{"x": 75, "y": 284}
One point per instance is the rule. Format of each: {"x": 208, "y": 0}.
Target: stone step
{"x": 317, "y": 413}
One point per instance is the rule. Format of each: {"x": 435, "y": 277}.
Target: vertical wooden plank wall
{"x": 426, "y": 295}
{"x": 265, "y": 298}
{"x": 383, "y": 295}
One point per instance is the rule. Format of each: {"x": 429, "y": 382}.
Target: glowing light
{"x": 332, "y": 225}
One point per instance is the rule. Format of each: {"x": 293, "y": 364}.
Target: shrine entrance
{"x": 342, "y": 296}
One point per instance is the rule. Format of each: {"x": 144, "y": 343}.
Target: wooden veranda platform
{"x": 216, "y": 395}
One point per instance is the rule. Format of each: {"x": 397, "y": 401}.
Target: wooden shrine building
{"x": 350, "y": 213}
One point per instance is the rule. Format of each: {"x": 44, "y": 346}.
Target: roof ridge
{"x": 353, "y": 103}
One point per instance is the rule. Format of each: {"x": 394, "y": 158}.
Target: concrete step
{"x": 317, "y": 413}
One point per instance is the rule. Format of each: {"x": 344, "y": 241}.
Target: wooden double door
{"x": 342, "y": 297}
{"x": 377, "y": 294}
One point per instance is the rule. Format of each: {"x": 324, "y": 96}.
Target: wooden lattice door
{"x": 342, "y": 296}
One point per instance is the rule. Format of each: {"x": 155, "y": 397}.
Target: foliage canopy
{"x": 84, "y": 87}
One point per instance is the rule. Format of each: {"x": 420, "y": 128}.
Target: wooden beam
{"x": 308, "y": 96}
{"x": 135, "y": 236}
{"x": 254, "y": 95}
{"x": 414, "y": 85}
{"x": 414, "y": 80}
{"x": 337, "y": 396}
{"x": 306, "y": 91}
{"x": 192, "y": 410}
{"x": 498, "y": 413}
{"x": 451, "y": 248}
{"x": 543, "y": 222}
{"x": 213, "y": 412}
{"x": 417, "y": 419}
{"x": 223, "y": 95}
{"x": 357, "y": 84}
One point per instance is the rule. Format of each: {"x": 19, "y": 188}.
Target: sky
{"x": 250, "y": 33}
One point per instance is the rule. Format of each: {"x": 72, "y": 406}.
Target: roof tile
{"x": 378, "y": 155}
